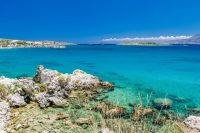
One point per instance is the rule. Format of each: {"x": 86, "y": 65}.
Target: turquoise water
{"x": 168, "y": 71}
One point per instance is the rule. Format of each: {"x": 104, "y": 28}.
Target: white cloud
{"x": 160, "y": 38}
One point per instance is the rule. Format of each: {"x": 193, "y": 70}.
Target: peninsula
{"x": 9, "y": 43}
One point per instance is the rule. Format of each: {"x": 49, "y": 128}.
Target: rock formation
{"x": 47, "y": 88}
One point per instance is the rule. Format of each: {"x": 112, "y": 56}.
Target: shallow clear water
{"x": 168, "y": 71}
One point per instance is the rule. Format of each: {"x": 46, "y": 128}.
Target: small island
{"x": 140, "y": 43}
{"x": 9, "y": 43}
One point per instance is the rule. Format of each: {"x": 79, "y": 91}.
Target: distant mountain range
{"x": 158, "y": 40}
{"x": 192, "y": 40}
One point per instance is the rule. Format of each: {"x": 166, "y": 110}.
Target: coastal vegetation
{"x": 75, "y": 103}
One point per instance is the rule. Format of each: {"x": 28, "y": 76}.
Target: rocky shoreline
{"x": 55, "y": 102}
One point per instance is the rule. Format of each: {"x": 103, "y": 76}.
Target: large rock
{"x": 4, "y": 116}
{"x": 45, "y": 75}
{"x": 8, "y": 83}
{"x": 81, "y": 80}
{"x": 162, "y": 103}
{"x": 16, "y": 100}
{"x": 26, "y": 88}
{"x": 27, "y": 83}
{"x": 77, "y": 80}
{"x": 45, "y": 100}
{"x": 58, "y": 101}
{"x": 42, "y": 99}
{"x": 193, "y": 122}
{"x": 49, "y": 87}
{"x": 16, "y": 85}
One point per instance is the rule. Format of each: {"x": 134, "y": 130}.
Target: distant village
{"x": 9, "y": 43}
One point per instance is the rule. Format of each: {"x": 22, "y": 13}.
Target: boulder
{"x": 8, "y": 83}
{"x": 15, "y": 100}
{"x": 44, "y": 75}
{"x": 26, "y": 83}
{"x": 45, "y": 100}
{"x": 193, "y": 122}
{"x": 42, "y": 99}
{"x": 26, "y": 88}
{"x": 162, "y": 103}
{"x": 58, "y": 102}
{"x": 81, "y": 80}
{"x": 53, "y": 87}
{"x": 49, "y": 87}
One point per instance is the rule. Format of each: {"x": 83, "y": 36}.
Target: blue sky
{"x": 92, "y": 20}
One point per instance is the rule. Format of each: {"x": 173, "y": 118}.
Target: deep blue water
{"x": 168, "y": 71}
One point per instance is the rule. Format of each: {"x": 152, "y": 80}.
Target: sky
{"x": 89, "y": 21}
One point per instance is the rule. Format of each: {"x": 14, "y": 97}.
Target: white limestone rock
{"x": 193, "y": 122}
{"x": 42, "y": 99}
{"x": 27, "y": 83}
{"x": 81, "y": 80}
{"x": 15, "y": 100}
{"x": 44, "y": 76}
{"x": 58, "y": 101}
{"x": 8, "y": 83}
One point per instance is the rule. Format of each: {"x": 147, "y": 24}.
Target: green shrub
{"x": 17, "y": 86}
{"x": 62, "y": 81}
{"x": 42, "y": 87}
{"x": 77, "y": 81}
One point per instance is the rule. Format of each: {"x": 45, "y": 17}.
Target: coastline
{"x": 51, "y": 46}
{"x": 9, "y": 43}
{"x": 53, "y": 99}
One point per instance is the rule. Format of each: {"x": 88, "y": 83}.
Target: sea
{"x": 140, "y": 73}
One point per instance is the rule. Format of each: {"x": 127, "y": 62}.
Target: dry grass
{"x": 82, "y": 108}
{"x": 3, "y": 92}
